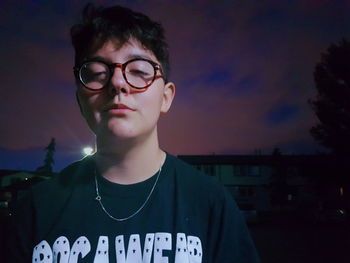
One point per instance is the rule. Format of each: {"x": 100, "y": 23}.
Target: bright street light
{"x": 88, "y": 150}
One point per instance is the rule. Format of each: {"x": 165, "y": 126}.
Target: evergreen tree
{"x": 48, "y": 161}
{"x": 332, "y": 104}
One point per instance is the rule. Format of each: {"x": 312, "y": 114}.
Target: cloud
{"x": 282, "y": 114}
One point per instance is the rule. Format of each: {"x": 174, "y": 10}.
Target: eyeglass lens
{"x": 138, "y": 73}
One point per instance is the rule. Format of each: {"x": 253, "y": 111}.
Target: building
{"x": 14, "y": 182}
{"x": 263, "y": 182}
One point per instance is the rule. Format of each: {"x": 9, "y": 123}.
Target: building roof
{"x": 9, "y": 172}
{"x": 254, "y": 159}
{"x": 4, "y": 173}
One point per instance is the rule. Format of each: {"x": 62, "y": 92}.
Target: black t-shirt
{"x": 188, "y": 218}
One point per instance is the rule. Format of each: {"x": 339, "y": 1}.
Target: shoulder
{"x": 202, "y": 194}
{"x": 189, "y": 172}
{"x": 45, "y": 201}
{"x": 196, "y": 182}
{"x": 62, "y": 182}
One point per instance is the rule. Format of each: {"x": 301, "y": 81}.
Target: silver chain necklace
{"x": 99, "y": 199}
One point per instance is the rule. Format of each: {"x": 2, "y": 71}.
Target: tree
{"x": 332, "y": 104}
{"x": 48, "y": 161}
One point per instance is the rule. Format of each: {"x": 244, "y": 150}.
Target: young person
{"x": 130, "y": 201}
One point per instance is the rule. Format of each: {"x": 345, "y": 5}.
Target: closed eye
{"x": 99, "y": 75}
{"x": 138, "y": 73}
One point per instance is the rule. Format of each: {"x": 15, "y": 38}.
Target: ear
{"x": 168, "y": 96}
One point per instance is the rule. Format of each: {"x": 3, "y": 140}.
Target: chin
{"x": 121, "y": 132}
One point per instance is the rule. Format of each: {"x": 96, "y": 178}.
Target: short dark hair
{"x": 100, "y": 24}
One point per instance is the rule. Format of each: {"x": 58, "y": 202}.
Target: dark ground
{"x": 284, "y": 240}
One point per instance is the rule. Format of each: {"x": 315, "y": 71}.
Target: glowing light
{"x": 341, "y": 191}
{"x": 88, "y": 150}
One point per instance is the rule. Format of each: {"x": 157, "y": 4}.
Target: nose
{"x": 118, "y": 83}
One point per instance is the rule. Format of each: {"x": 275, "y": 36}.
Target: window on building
{"x": 253, "y": 170}
{"x": 246, "y": 170}
{"x": 239, "y": 170}
{"x": 246, "y": 191}
{"x": 209, "y": 169}
{"x": 242, "y": 192}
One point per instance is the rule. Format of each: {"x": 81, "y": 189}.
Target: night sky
{"x": 243, "y": 72}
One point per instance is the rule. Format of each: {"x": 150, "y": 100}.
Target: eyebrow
{"x": 127, "y": 58}
{"x": 133, "y": 56}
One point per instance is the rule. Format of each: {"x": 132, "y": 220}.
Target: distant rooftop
{"x": 253, "y": 159}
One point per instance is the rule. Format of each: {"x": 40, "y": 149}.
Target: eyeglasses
{"x": 138, "y": 73}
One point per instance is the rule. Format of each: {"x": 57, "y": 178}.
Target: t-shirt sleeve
{"x": 229, "y": 236}
{"x": 20, "y": 232}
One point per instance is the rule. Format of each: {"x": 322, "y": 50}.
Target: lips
{"x": 118, "y": 108}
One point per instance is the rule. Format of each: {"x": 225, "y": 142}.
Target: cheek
{"x": 90, "y": 104}
{"x": 152, "y": 105}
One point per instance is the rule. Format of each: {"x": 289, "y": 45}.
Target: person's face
{"x": 118, "y": 109}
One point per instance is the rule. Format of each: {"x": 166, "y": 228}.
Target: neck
{"x": 129, "y": 161}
